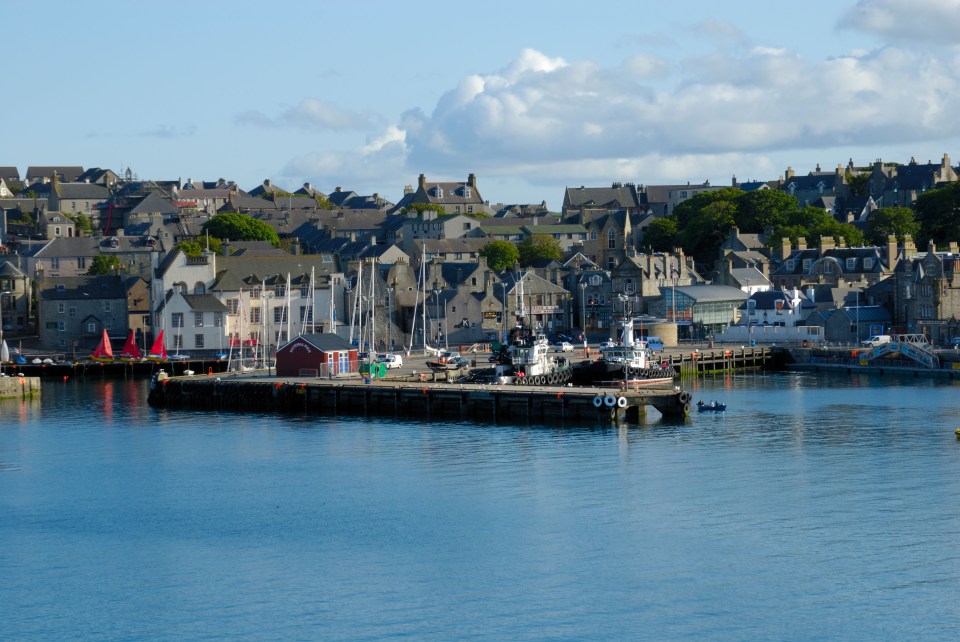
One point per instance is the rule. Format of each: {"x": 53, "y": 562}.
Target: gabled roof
{"x": 749, "y": 277}
{"x": 82, "y": 287}
{"x": 88, "y": 191}
{"x": 65, "y": 173}
{"x": 153, "y": 203}
{"x": 10, "y": 174}
{"x": 615, "y": 197}
{"x": 204, "y": 303}
{"x": 8, "y": 269}
{"x": 323, "y": 341}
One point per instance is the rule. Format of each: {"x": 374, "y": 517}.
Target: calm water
{"x": 813, "y": 509}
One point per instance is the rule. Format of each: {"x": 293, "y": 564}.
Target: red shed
{"x": 316, "y": 355}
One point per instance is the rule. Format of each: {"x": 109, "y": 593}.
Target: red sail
{"x": 158, "y": 351}
{"x": 130, "y": 349}
{"x": 103, "y": 351}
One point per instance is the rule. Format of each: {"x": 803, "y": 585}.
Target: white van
{"x": 876, "y": 340}
{"x": 654, "y": 343}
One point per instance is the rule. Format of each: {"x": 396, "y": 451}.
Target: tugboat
{"x": 526, "y": 359}
{"x": 630, "y": 363}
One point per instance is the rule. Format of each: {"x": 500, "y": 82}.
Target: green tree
{"x": 689, "y": 208}
{"x": 539, "y": 246}
{"x": 83, "y": 223}
{"x": 104, "y": 264}
{"x": 938, "y": 212}
{"x": 240, "y": 227}
{"x": 898, "y": 221}
{"x": 196, "y": 248}
{"x": 661, "y": 235}
{"x": 764, "y": 208}
{"x": 706, "y": 231}
{"x": 857, "y": 183}
{"x": 500, "y": 255}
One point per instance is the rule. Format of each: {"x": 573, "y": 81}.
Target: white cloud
{"x": 921, "y": 21}
{"x": 310, "y": 113}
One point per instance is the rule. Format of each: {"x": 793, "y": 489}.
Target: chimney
{"x": 801, "y": 243}
{"x": 826, "y": 243}
{"x": 422, "y": 181}
{"x": 954, "y": 248}
{"x": 784, "y": 248}
{"x": 472, "y": 180}
{"x": 811, "y": 294}
{"x": 891, "y": 251}
{"x": 909, "y": 249}
{"x": 266, "y": 182}
{"x": 788, "y": 174}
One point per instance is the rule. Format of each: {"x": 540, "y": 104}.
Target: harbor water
{"x": 817, "y": 507}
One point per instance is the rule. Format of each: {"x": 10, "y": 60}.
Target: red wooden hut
{"x": 316, "y": 355}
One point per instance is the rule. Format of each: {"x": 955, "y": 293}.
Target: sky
{"x": 531, "y": 97}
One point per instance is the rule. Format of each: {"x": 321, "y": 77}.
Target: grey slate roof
{"x": 83, "y": 287}
{"x": 204, "y": 303}
{"x": 66, "y": 173}
{"x": 327, "y": 341}
{"x": 89, "y": 191}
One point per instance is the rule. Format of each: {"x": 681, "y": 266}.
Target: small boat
{"x": 713, "y": 406}
{"x": 103, "y": 352}
{"x": 130, "y": 350}
{"x": 158, "y": 352}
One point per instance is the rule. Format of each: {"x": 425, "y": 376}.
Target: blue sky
{"x": 532, "y": 97}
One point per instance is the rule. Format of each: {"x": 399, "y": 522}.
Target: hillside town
{"x": 88, "y": 251}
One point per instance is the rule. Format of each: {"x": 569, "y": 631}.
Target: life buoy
{"x": 610, "y": 401}
{"x": 597, "y": 401}
{"x": 621, "y": 402}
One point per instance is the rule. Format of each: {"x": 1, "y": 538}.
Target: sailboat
{"x": 130, "y": 350}
{"x": 158, "y": 352}
{"x": 104, "y": 351}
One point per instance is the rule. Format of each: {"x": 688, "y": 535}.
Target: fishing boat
{"x": 130, "y": 350}
{"x": 103, "y": 353}
{"x": 630, "y": 363}
{"x": 158, "y": 352}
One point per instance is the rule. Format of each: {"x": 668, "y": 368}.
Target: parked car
{"x": 876, "y": 340}
{"x": 447, "y": 356}
{"x": 654, "y": 343}
{"x": 392, "y": 360}
{"x": 563, "y": 346}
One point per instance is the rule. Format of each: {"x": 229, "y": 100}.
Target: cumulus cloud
{"x": 650, "y": 119}
{"x": 546, "y": 111}
{"x": 921, "y": 21}
{"x": 311, "y": 113}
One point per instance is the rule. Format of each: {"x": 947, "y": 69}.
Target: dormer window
{"x": 466, "y": 191}
{"x": 792, "y": 188}
{"x": 791, "y": 265}
{"x": 806, "y": 264}
{"x": 867, "y": 264}
{"x": 851, "y": 263}
{"x": 438, "y": 191}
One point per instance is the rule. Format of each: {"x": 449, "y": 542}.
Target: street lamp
{"x": 390, "y": 316}
{"x": 583, "y": 310}
{"x": 503, "y": 311}
{"x": 436, "y": 309}
{"x": 2, "y": 294}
